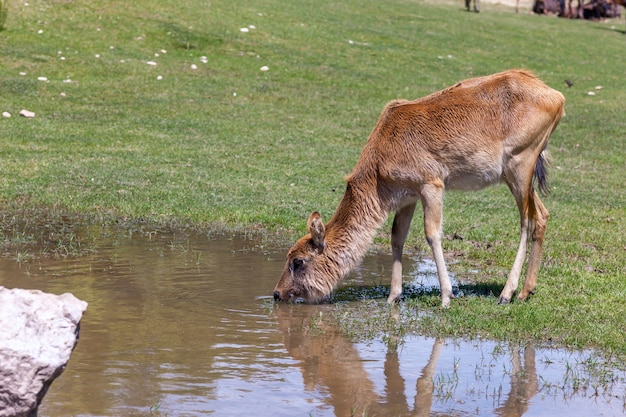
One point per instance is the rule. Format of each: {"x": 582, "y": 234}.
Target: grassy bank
{"x": 170, "y": 113}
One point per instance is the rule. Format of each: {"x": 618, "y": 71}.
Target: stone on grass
{"x": 38, "y": 332}
{"x": 27, "y": 113}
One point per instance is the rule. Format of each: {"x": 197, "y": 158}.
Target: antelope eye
{"x": 297, "y": 264}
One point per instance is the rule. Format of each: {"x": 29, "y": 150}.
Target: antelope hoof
{"x": 394, "y": 298}
{"x": 504, "y": 300}
{"x": 525, "y": 294}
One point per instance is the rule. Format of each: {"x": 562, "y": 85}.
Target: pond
{"x": 182, "y": 325}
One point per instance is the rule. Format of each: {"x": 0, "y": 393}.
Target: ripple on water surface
{"x": 183, "y": 325}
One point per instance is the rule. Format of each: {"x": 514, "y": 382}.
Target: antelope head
{"x": 307, "y": 273}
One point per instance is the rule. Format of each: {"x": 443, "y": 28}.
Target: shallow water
{"x": 182, "y": 325}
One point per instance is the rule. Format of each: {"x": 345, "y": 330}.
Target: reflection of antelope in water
{"x": 524, "y": 383}
{"x": 331, "y": 364}
{"x": 479, "y": 132}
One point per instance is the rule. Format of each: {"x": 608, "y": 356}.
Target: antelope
{"x": 476, "y": 5}
{"x": 479, "y": 132}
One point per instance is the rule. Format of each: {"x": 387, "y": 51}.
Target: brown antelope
{"x": 476, "y": 5}
{"x": 476, "y": 133}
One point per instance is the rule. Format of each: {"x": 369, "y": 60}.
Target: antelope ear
{"x": 317, "y": 231}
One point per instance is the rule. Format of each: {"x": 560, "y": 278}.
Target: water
{"x": 182, "y": 325}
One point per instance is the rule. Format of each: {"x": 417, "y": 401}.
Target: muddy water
{"x": 181, "y": 325}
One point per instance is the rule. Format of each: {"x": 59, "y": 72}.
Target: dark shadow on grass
{"x": 411, "y": 291}
{"x": 187, "y": 39}
{"x": 609, "y": 29}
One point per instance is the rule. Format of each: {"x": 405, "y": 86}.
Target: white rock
{"x": 264, "y": 68}
{"x": 6, "y": 114}
{"x": 151, "y": 63}
{"x": 38, "y": 332}
{"x": 42, "y": 78}
{"x": 27, "y": 113}
{"x": 244, "y": 30}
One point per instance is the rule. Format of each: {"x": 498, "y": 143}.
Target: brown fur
{"x": 476, "y": 133}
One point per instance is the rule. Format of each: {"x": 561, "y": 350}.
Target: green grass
{"x": 116, "y": 139}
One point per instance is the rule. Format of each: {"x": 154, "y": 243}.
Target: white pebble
{"x": 27, "y": 114}
{"x": 151, "y": 63}
{"x": 6, "y": 114}
{"x": 67, "y": 81}
{"x": 40, "y": 31}
{"x": 244, "y": 30}
{"x": 264, "y": 68}
{"x": 591, "y": 93}
{"x": 42, "y": 78}
{"x": 204, "y": 59}
{"x": 22, "y": 73}
{"x": 194, "y": 66}
{"x": 159, "y": 77}
{"x": 598, "y": 87}
{"x": 252, "y": 27}
{"x": 97, "y": 55}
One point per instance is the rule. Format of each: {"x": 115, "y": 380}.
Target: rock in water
{"x": 38, "y": 332}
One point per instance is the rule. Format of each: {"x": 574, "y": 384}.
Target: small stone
{"x": 27, "y": 113}
{"x": 264, "y": 68}
{"x": 6, "y": 114}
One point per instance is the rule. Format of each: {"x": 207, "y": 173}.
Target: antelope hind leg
{"x": 540, "y": 218}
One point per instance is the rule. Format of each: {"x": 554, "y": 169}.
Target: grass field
{"x": 169, "y": 112}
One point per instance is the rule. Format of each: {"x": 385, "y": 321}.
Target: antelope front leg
{"x": 432, "y": 201}
{"x": 399, "y": 232}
